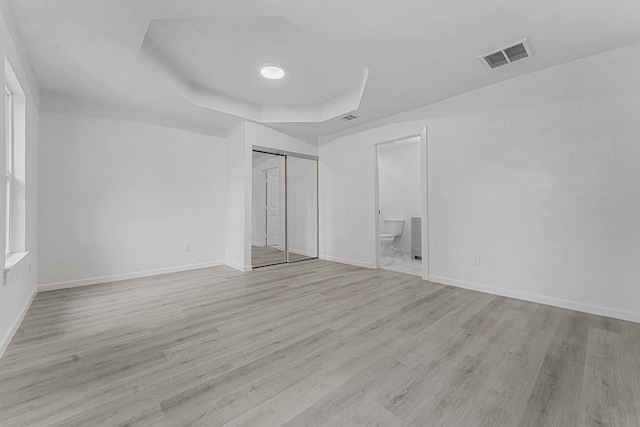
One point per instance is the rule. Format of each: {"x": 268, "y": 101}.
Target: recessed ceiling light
{"x": 272, "y": 71}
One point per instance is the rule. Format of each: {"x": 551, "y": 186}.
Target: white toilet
{"x": 391, "y": 229}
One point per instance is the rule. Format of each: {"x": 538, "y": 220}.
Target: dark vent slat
{"x": 516, "y": 52}
{"x": 496, "y": 59}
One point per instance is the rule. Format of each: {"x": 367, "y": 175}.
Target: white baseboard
{"x": 401, "y": 251}
{"x": 541, "y": 299}
{"x": 135, "y": 275}
{"x": 238, "y": 267}
{"x": 6, "y": 340}
{"x": 347, "y": 261}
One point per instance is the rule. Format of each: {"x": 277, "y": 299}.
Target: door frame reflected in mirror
{"x": 262, "y": 252}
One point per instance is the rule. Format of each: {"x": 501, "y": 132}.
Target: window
{"x": 15, "y": 168}
{"x": 8, "y": 109}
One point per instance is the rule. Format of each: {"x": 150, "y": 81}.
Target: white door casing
{"x": 272, "y": 180}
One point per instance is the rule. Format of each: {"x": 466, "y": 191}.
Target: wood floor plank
{"x": 313, "y": 343}
{"x": 608, "y": 398}
{"x": 330, "y": 409}
{"x": 555, "y": 399}
{"x": 503, "y": 402}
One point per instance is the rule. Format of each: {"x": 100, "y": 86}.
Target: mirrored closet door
{"x": 302, "y": 208}
{"x": 284, "y": 217}
{"x": 268, "y": 226}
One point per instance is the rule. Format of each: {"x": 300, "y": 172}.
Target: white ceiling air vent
{"x": 507, "y": 55}
{"x": 348, "y": 117}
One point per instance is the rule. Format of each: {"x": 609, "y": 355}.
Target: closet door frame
{"x": 286, "y": 155}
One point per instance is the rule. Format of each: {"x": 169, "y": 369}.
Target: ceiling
{"x": 215, "y": 63}
{"x": 403, "y": 54}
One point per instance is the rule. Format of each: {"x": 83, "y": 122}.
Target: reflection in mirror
{"x": 302, "y": 208}
{"x": 268, "y": 243}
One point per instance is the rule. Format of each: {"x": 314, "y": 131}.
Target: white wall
{"x": 347, "y": 194}
{"x": 122, "y": 198}
{"x": 540, "y": 175}
{"x": 21, "y": 284}
{"x": 262, "y": 136}
{"x": 238, "y": 203}
{"x": 399, "y": 187}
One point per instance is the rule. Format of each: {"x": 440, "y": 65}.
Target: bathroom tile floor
{"x": 402, "y": 263}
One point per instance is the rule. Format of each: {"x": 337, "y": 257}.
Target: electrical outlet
{"x": 187, "y": 247}
{"x": 476, "y": 259}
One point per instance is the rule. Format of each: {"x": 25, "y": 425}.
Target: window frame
{"x": 9, "y": 138}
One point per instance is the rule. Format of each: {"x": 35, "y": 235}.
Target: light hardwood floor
{"x": 313, "y": 344}
{"x": 266, "y": 255}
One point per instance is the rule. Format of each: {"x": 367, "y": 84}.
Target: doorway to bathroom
{"x": 399, "y": 205}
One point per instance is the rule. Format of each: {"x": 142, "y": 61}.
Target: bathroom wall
{"x": 399, "y": 186}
